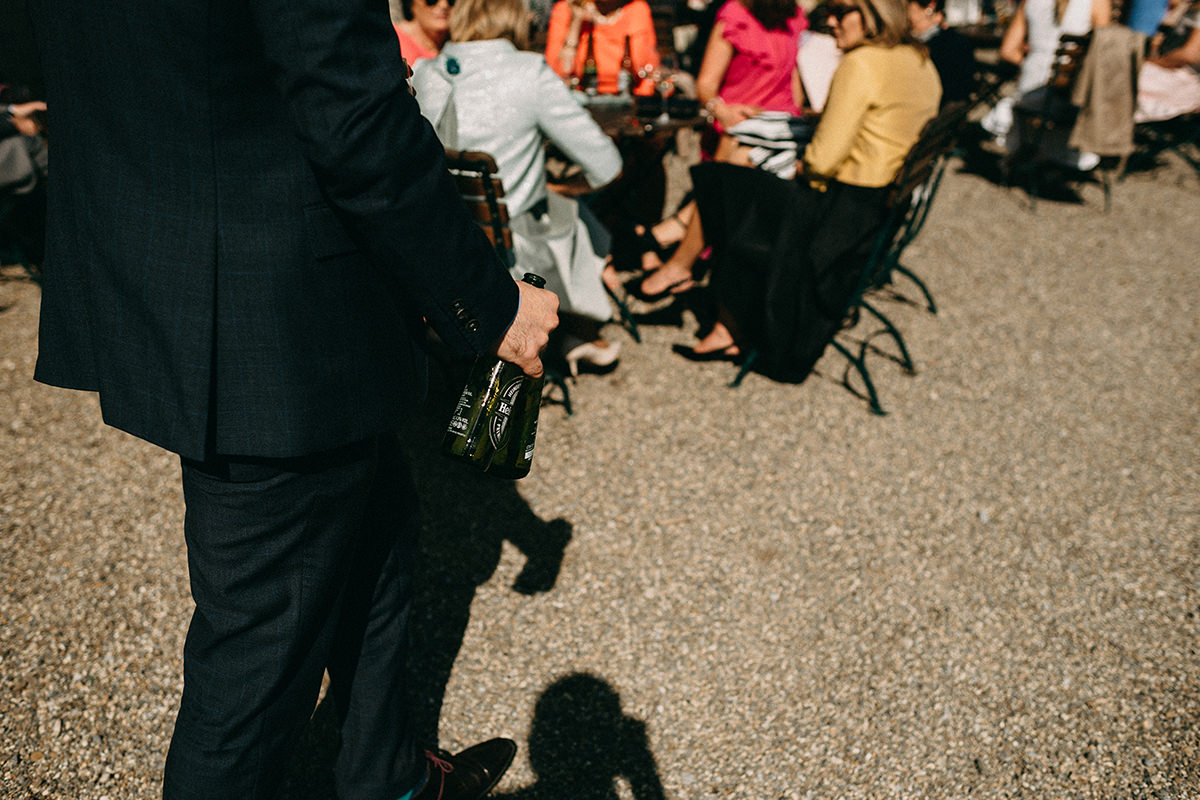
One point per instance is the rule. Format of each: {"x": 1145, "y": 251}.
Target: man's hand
{"x": 22, "y": 117}
{"x": 528, "y": 334}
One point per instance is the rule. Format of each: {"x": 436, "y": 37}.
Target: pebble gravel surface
{"x": 704, "y": 593}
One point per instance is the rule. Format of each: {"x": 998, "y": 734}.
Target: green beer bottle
{"x": 591, "y": 76}
{"x": 512, "y": 458}
{"x": 483, "y": 419}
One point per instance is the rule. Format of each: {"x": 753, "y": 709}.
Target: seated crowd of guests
{"x": 777, "y": 200}
{"x": 784, "y": 252}
{"x": 811, "y": 114}
{"x": 1167, "y": 84}
{"x": 783, "y": 211}
{"x": 1169, "y": 81}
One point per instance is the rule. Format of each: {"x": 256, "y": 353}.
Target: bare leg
{"x": 676, "y": 274}
{"x": 666, "y": 233}
{"x": 609, "y": 276}
{"x": 673, "y": 228}
{"x": 722, "y": 337}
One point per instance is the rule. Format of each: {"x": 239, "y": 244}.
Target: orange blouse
{"x": 634, "y": 21}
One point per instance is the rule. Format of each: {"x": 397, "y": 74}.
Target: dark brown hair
{"x": 773, "y": 14}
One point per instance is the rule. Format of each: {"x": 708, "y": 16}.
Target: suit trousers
{"x": 296, "y": 565}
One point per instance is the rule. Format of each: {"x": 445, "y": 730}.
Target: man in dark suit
{"x": 249, "y": 220}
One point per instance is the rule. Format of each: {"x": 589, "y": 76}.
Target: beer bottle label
{"x": 500, "y": 418}
{"x": 459, "y": 421}
{"x": 529, "y": 442}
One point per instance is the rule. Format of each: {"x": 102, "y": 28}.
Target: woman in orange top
{"x": 573, "y": 23}
{"x": 424, "y": 29}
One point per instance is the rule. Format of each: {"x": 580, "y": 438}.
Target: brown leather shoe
{"x": 468, "y": 775}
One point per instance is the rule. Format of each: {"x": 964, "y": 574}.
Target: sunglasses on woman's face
{"x": 432, "y": 3}
{"x": 836, "y": 12}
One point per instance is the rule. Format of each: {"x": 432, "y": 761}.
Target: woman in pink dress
{"x": 749, "y": 68}
{"x": 749, "y": 65}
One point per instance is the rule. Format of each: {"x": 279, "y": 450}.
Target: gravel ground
{"x": 764, "y": 593}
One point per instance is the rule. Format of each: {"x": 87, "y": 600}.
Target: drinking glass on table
{"x": 665, "y": 85}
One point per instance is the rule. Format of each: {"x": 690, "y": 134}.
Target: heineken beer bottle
{"x": 513, "y": 458}
{"x": 495, "y": 420}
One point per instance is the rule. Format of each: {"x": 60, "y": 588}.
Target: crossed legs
{"x": 675, "y": 275}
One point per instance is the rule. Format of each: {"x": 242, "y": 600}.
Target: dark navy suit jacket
{"x": 248, "y": 221}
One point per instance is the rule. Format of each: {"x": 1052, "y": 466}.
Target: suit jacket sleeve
{"x": 380, "y": 164}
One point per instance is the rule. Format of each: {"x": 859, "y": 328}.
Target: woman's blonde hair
{"x": 885, "y": 22}
{"x": 479, "y": 20}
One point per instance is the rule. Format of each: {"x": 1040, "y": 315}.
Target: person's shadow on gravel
{"x": 466, "y": 517}
{"x": 582, "y": 744}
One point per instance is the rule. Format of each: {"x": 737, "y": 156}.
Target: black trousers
{"x": 296, "y": 565}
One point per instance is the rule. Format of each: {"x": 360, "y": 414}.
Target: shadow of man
{"x": 466, "y": 516}
{"x": 582, "y": 744}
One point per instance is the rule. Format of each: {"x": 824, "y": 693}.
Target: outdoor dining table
{"x": 643, "y": 135}
{"x": 623, "y": 118}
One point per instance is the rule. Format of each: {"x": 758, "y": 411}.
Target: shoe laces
{"x": 444, "y": 768}
{"x": 439, "y": 762}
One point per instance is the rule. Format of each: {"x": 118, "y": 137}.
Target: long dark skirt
{"x": 786, "y": 258}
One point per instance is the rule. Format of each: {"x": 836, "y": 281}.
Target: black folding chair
{"x": 909, "y": 200}
{"x": 1055, "y": 111}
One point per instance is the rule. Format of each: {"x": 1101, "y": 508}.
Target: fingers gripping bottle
{"x": 495, "y": 421}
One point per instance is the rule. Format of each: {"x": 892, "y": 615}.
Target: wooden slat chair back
{"x": 990, "y": 79}
{"x": 478, "y": 180}
{"x": 1068, "y": 60}
{"x": 909, "y": 200}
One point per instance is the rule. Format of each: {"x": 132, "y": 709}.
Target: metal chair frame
{"x": 1056, "y": 111}
{"x": 909, "y": 202}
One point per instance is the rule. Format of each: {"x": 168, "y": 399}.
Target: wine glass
{"x": 664, "y": 84}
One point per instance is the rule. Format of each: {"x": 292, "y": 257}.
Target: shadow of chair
{"x": 1180, "y": 135}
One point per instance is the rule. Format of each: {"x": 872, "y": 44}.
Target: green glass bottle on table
{"x": 591, "y": 76}
{"x": 625, "y": 78}
{"x": 495, "y": 421}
